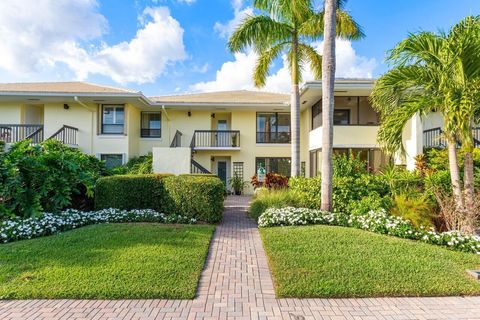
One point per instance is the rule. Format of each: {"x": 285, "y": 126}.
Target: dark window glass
{"x": 274, "y": 165}
{"x": 273, "y": 127}
{"x": 112, "y": 160}
{"x": 341, "y": 117}
{"x": 113, "y": 119}
{"x": 151, "y": 125}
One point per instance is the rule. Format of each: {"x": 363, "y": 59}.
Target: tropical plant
{"x": 286, "y": 27}
{"x": 435, "y": 72}
{"x": 45, "y": 177}
{"x": 237, "y": 184}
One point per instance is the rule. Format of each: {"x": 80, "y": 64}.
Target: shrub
{"x": 48, "y": 224}
{"x": 45, "y": 177}
{"x": 272, "y": 181}
{"x": 349, "y": 166}
{"x": 371, "y": 202}
{"x": 401, "y": 181}
{"x": 374, "y": 221}
{"x": 346, "y": 190}
{"x": 271, "y": 199}
{"x": 139, "y": 165}
{"x": 132, "y": 192}
{"x": 199, "y": 197}
{"x": 416, "y": 210}
{"x": 195, "y": 196}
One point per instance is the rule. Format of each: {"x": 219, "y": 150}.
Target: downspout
{"x": 91, "y": 121}
{"x": 169, "y": 123}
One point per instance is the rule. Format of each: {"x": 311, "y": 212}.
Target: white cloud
{"x": 237, "y": 74}
{"x": 239, "y": 13}
{"x": 49, "y": 39}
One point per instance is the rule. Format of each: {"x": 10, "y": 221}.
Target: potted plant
{"x": 237, "y": 184}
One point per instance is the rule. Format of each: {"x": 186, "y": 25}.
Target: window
{"x": 151, "y": 125}
{"x": 113, "y": 119}
{"x": 274, "y": 165}
{"x": 112, "y": 160}
{"x": 341, "y": 117}
{"x": 348, "y": 111}
{"x": 238, "y": 170}
{"x": 303, "y": 168}
{"x": 273, "y": 127}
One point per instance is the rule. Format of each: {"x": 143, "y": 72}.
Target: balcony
{"x": 216, "y": 140}
{"x": 347, "y": 136}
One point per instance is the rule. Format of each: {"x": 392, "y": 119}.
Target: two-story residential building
{"x": 225, "y": 133}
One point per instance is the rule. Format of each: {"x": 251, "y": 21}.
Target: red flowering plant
{"x": 272, "y": 181}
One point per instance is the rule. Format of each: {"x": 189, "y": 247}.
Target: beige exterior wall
{"x": 11, "y": 113}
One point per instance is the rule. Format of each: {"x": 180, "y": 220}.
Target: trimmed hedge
{"x": 194, "y": 196}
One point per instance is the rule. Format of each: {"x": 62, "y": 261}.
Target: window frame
{"x": 102, "y": 118}
{"x": 101, "y": 155}
{"x": 150, "y": 136}
{"x": 276, "y": 128}
{"x": 271, "y": 158}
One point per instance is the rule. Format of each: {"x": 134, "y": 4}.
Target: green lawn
{"x": 109, "y": 261}
{"x": 324, "y": 261}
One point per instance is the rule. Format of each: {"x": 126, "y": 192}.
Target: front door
{"x": 222, "y": 171}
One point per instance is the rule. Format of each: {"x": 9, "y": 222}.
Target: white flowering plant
{"x": 48, "y": 223}
{"x": 375, "y": 221}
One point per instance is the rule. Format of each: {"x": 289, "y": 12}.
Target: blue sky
{"x": 175, "y": 46}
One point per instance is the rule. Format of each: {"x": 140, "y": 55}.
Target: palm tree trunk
{"x": 468, "y": 180}
{"x": 328, "y": 84}
{"x": 455, "y": 173}
{"x": 295, "y": 111}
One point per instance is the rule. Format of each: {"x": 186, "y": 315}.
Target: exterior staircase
{"x": 195, "y": 167}
{"x": 12, "y": 133}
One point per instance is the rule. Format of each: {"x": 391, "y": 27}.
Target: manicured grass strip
{"x": 325, "y": 261}
{"x": 109, "y": 261}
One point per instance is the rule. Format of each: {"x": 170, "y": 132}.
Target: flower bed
{"x": 378, "y": 222}
{"x": 48, "y": 224}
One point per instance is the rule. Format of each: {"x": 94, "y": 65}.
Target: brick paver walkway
{"x": 236, "y": 284}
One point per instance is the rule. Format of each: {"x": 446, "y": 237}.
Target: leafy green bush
{"x": 195, "y": 196}
{"x": 139, "y": 165}
{"x": 371, "y": 202}
{"x": 348, "y": 166}
{"x": 45, "y": 177}
{"x": 272, "y": 199}
{"x": 346, "y": 190}
{"x": 399, "y": 180}
{"x": 131, "y": 192}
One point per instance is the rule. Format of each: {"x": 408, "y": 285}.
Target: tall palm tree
{"x": 328, "y": 99}
{"x": 434, "y": 72}
{"x": 287, "y": 27}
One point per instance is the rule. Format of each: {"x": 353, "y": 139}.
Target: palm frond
{"x": 293, "y": 11}
{"x": 260, "y": 33}
{"x": 263, "y": 64}
{"x": 313, "y": 58}
{"x": 346, "y": 27}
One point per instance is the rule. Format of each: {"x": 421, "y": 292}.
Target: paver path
{"x": 236, "y": 284}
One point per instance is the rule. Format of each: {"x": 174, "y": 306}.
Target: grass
{"x": 108, "y": 261}
{"x": 271, "y": 199}
{"x": 325, "y": 261}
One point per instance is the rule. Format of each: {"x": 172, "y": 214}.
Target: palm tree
{"x": 328, "y": 98}
{"x": 434, "y": 72}
{"x": 286, "y": 27}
